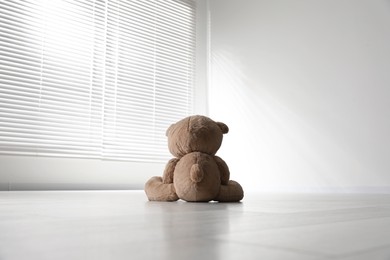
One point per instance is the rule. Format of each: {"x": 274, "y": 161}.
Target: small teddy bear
{"x": 196, "y": 174}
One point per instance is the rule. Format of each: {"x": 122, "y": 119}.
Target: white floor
{"x": 124, "y": 225}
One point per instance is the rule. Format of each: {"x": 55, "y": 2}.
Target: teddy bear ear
{"x": 224, "y": 127}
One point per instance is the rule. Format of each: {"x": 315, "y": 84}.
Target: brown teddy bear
{"x": 196, "y": 174}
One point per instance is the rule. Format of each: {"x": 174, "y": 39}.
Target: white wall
{"x": 42, "y": 173}
{"x": 305, "y": 87}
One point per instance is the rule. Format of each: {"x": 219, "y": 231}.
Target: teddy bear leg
{"x": 156, "y": 190}
{"x": 232, "y": 192}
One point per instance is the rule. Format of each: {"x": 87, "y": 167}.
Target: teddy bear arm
{"x": 169, "y": 169}
{"x": 223, "y": 169}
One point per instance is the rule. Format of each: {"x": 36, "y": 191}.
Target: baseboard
{"x": 335, "y": 190}
{"x": 66, "y": 186}
{"x": 126, "y": 186}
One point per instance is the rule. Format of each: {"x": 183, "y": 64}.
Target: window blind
{"x": 94, "y": 79}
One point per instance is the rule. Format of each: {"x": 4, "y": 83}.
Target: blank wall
{"x": 305, "y": 88}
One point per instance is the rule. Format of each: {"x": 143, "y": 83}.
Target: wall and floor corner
{"x": 304, "y": 87}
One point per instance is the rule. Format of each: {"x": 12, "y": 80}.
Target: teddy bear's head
{"x": 195, "y": 134}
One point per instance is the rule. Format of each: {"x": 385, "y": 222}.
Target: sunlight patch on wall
{"x": 271, "y": 146}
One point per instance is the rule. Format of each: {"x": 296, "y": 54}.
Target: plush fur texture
{"x": 196, "y": 173}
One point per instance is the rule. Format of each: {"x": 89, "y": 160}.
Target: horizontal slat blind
{"x": 94, "y": 79}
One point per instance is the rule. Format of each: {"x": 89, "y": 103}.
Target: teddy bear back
{"x": 195, "y": 134}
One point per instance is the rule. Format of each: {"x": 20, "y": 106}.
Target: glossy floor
{"x": 124, "y": 225}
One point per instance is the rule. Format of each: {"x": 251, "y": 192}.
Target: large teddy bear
{"x": 196, "y": 173}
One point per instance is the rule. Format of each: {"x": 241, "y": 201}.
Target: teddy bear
{"x": 196, "y": 174}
